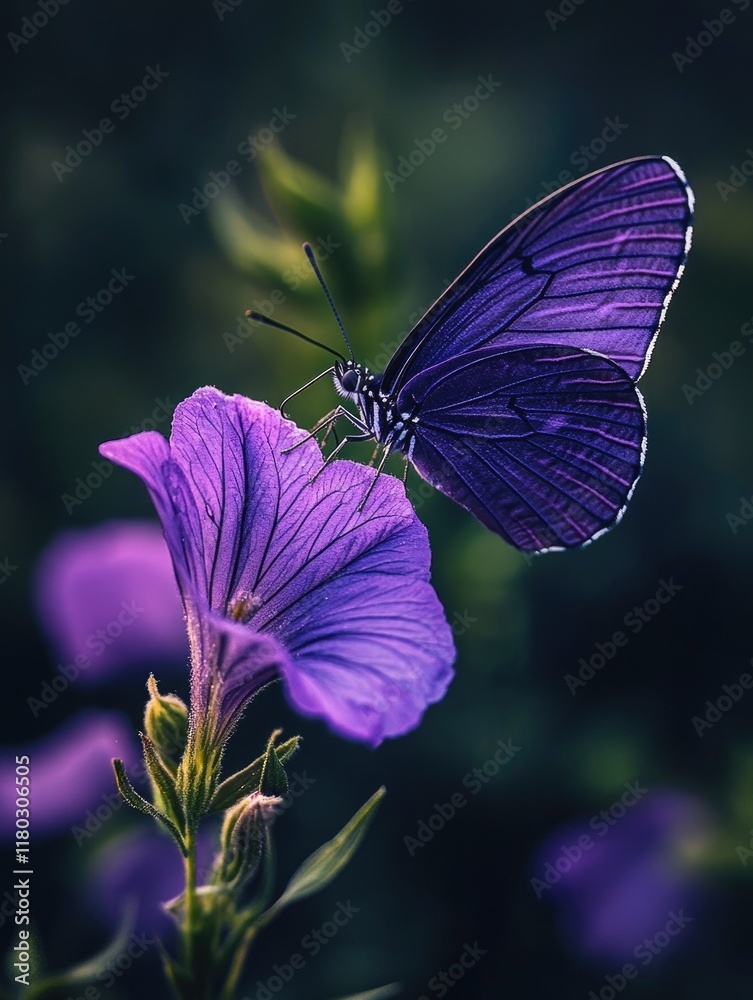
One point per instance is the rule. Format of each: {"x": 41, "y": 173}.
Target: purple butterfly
{"x": 515, "y": 393}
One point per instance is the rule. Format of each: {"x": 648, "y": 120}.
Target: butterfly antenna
{"x": 307, "y": 249}
{"x": 260, "y": 318}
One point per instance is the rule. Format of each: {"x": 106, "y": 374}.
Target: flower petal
{"x": 237, "y": 661}
{"x": 141, "y": 867}
{"x": 621, "y": 888}
{"x": 70, "y": 771}
{"x": 108, "y": 594}
{"x": 328, "y": 561}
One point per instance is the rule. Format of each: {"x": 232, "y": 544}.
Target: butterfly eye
{"x": 350, "y": 381}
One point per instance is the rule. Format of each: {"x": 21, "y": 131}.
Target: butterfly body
{"x": 379, "y": 413}
{"x": 515, "y": 393}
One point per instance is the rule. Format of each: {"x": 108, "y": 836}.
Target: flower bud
{"x": 244, "y": 832}
{"x": 166, "y": 723}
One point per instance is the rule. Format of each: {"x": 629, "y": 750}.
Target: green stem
{"x": 236, "y": 966}
{"x": 194, "y": 956}
{"x": 190, "y": 924}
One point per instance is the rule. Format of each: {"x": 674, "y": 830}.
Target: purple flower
{"x": 619, "y": 885}
{"x": 70, "y": 771}
{"x": 108, "y": 599}
{"x": 141, "y": 867}
{"x": 284, "y": 575}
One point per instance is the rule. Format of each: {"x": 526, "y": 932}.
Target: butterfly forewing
{"x": 591, "y": 267}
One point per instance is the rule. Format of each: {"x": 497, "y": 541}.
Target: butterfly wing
{"x": 542, "y": 444}
{"x": 593, "y": 266}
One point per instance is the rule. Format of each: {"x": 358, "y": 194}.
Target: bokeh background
{"x": 522, "y": 625}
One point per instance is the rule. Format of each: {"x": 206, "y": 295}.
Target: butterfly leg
{"x": 348, "y": 439}
{"x": 332, "y": 429}
{"x": 326, "y": 421}
{"x": 372, "y": 484}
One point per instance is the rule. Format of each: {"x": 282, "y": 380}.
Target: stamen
{"x": 244, "y": 606}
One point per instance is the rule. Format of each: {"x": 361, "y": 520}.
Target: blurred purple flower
{"x": 616, "y": 881}
{"x": 70, "y": 770}
{"x": 282, "y": 576}
{"x": 141, "y": 867}
{"x": 108, "y": 596}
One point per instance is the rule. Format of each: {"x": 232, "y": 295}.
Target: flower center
{"x": 244, "y": 606}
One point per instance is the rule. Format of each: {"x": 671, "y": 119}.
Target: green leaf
{"x": 309, "y": 203}
{"x": 250, "y": 241}
{"x": 248, "y": 780}
{"x": 323, "y": 865}
{"x": 163, "y": 782}
{"x": 382, "y": 993}
{"x": 135, "y": 800}
{"x": 61, "y": 983}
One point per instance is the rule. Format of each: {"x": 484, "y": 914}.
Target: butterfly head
{"x": 350, "y": 378}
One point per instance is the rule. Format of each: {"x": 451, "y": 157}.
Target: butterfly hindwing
{"x": 542, "y": 444}
{"x": 593, "y": 267}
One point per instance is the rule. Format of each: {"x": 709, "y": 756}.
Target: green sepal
{"x": 244, "y": 782}
{"x": 323, "y": 865}
{"x": 273, "y": 781}
{"x": 135, "y": 800}
{"x": 163, "y": 783}
{"x": 166, "y": 724}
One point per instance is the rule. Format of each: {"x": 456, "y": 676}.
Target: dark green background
{"x": 164, "y": 337}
